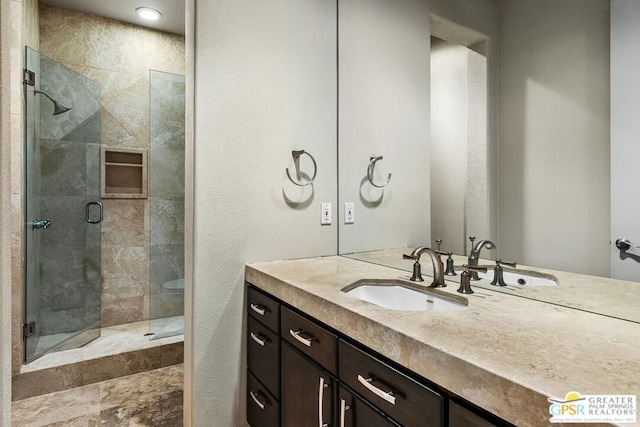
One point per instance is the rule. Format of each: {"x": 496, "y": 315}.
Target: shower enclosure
{"x": 62, "y": 207}
{"x": 166, "y": 204}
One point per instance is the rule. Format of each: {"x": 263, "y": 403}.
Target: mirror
{"x": 526, "y": 164}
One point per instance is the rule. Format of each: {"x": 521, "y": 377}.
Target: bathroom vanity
{"x": 316, "y": 355}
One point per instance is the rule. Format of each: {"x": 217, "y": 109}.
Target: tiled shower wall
{"x": 119, "y": 57}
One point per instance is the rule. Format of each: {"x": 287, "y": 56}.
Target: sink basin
{"x": 522, "y": 278}
{"x": 395, "y": 295}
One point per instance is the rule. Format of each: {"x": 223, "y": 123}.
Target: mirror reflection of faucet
{"x": 475, "y": 254}
{"x": 498, "y": 272}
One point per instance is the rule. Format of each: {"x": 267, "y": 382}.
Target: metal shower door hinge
{"x": 28, "y": 329}
{"x": 29, "y": 78}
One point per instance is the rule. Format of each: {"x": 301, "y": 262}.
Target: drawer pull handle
{"x": 255, "y": 399}
{"x": 257, "y": 339}
{"x": 296, "y": 335}
{"x": 323, "y": 385}
{"x": 258, "y": 308}
{"x": 386, "y": 395}
{"x": 343, "y": 411}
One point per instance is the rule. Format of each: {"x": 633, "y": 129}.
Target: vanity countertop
{"x": 503, "y": 353}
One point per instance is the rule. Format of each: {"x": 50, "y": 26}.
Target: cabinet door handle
{"x": 343, "y": 411}
{"x": 255, "y": 399}
{"x": 296, "y": 335}
{"x": 258, "y": 309}
{"x": 323, "y": 385}
{"x": 257, "y": 339}
{"x": 386, "y": 395}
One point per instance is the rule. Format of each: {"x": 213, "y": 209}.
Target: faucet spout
{"x": 438, "y": 271}
{"x": 475, "y": 255}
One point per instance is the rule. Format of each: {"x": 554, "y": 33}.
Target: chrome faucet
{"x": 475, "y": 254}
{"x": 438, "y": 271}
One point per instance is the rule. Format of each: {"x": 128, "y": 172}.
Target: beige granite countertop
{"x": 503, "y": 353}
{"x": 610, "y": 297}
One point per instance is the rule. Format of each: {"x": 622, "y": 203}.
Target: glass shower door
{"x": 62, "y": 208}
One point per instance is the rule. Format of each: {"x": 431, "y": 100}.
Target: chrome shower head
{"x": 57, "y": 107}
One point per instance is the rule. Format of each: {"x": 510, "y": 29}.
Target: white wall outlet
{"x": 326, "y": 214}
{"x": 348, "y": 213}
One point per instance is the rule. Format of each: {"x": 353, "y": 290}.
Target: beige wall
{"x": 265, "y": 84}
{"x": 554, "y": 134}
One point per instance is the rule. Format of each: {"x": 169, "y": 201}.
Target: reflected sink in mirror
{"x": 523, "y": 278}
{"x": 398, "y": 295}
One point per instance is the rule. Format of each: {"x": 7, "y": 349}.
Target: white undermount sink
{"x": 395, "y": 295}
{"x": 517, "y": 278}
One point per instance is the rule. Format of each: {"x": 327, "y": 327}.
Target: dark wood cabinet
{"x": 311, "y": 339}
{"x": 263, "y": 360}
{"x": 301, "y": 373}
{"x": 263, "y": 355}
{"x": 263, "y": 409}
{"x": 401, "y": 397}
{"x": 308, "y": 391}
{"x": 460, "y": 416}
{"x": 356, "y": 412}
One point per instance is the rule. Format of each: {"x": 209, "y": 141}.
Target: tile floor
{"x": 152, "y": 398}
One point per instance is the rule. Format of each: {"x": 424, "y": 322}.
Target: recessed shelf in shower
{"x": 124, "y": 173}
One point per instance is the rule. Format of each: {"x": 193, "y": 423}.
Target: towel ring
{"x": 372, "y": 165}
{"x": 296, "y": 155}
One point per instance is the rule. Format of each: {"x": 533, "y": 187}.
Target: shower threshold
{"x": 119, "y": 351}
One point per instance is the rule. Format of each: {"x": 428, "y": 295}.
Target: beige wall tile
{"x": 62, "y": 35}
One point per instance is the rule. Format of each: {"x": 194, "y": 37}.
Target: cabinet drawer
{"x": 355, "y": 412}
{"x": 263, "y": 355}
{"x": 311, "y": 339}
{"x": 263, "y": 308}
{"x": 262, "y": 408}
{"x": 397, "y": 395}
{"x": 460, "y": 416}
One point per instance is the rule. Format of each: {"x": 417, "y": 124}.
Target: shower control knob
{"x": 40, "y": 223}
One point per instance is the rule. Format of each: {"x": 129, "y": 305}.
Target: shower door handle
{"x": 89, "y": 218}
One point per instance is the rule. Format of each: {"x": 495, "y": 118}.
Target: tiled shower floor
{"x": 151, "y": 398}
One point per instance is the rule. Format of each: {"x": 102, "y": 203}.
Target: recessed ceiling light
{"x": 148, "y": 13}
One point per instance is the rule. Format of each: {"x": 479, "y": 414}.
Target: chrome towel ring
{"x": 372, "y": 165}
{"x": 296, "y": 156}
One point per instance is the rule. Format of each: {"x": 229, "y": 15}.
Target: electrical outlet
{"x": 325, "y": 219}
{"x": 348, "y": 213}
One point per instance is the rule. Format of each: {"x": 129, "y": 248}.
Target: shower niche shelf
{"x": 124, "y": 173}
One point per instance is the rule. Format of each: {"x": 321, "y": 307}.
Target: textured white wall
{"x": 265, "y": 83}
{"x": 384, "y": 110}
{"x": 448, "y": 143}
{"x": 554, "y": 134}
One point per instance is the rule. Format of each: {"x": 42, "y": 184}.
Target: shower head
{"x": 57, "y": 107}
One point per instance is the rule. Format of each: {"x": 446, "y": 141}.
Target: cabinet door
{"x": 308, "y": 393}
{"x": 355, "y": 412}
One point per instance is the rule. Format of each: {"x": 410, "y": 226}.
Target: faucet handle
{"x": 465, "y": 277}
{"x": 405, "y": 256}
{"x": 500, "y": 262}
{"x": 438, "y": 242}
